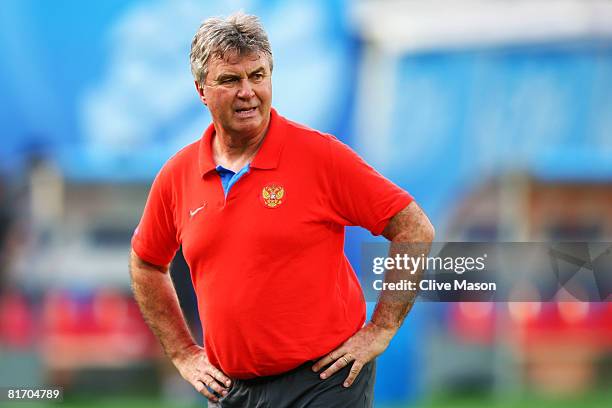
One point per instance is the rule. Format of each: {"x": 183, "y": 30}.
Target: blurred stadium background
{"x": 495, "y": 114}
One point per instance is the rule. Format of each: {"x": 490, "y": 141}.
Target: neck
{"x": 234, "y": 151}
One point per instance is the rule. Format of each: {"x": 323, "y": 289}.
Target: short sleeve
{"x": 155, "y": 238}
{"x": 359, "y": 194}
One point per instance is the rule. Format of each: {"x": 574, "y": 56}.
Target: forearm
{"x": 394, "y": 305}
{"x": 158, "y": 302}
{"x": 411, "y": 234}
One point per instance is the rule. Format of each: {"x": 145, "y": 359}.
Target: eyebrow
{"x": 258, "y": 70}
{"x": 232, "y": 75}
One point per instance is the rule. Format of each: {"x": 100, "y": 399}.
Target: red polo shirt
{"x": 274, "y": 287}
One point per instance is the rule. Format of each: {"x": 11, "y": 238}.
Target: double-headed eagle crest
{"x": 272, "y": 195}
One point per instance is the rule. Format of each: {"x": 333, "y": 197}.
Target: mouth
{"x": 245, "y": 112}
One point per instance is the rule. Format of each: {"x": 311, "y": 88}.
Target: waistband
{"x": 270, "y": 378}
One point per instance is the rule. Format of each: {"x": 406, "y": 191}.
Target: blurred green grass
{"x": 592, "y": 400}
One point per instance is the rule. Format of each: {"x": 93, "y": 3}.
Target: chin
{"x": 251, "y": 126}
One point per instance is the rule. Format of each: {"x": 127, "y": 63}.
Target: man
{"x": 259, "y": 205}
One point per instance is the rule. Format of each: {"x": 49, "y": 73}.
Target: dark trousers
{"x": 302, "y": 388}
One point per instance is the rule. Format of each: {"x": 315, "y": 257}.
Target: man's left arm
{"x": 411, "y": 234}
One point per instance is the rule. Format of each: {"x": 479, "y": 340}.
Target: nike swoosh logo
{"x": 197, "y": 210}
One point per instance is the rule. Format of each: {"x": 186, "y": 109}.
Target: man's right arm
{"x": 158, "y": 302}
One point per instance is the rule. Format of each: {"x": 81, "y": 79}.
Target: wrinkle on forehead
{"x": 235, "y": 57}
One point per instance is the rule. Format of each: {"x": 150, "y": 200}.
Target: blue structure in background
{"x": 105, "y": 88}
{"x": 69, "y": 70}
{"x": 464, "y": 117}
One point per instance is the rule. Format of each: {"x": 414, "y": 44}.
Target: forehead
{"x": 234, "y": 62}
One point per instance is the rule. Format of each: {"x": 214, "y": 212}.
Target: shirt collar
{"x": 268, "y": 155}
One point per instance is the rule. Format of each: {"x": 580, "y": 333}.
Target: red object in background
{"x": 588, "y": 324}
{"x": 473, "y": 322}
{"x": 561, "y": 343}
{"x": 607, "y": 321}
{"x": 101, "y": 328}
{"x": 59, "y": 312}
{"x": 16, "y": 321}
{"x": 110, "y": 310}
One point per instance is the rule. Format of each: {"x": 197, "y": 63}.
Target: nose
{"x": 245, "y": 89}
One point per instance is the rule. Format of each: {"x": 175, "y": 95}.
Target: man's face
{"x": 238, "y": 93}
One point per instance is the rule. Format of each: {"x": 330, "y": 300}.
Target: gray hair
{"x": 240, "y": 34}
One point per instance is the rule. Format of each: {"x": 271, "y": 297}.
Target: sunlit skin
{"x": 238, "y": 93}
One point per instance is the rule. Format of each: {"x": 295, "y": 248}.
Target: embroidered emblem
{"x": 197, "y": 210}
{"x": 272, "y": 195}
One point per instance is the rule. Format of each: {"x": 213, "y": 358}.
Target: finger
{"x": 353, "y": 373}
{"x": 213, "y": 385}
{"x": 215, "y": 373}
{"x": 201, "y": 388}
{"x": 337, "y": 366}
{"x": 328, "y": 359}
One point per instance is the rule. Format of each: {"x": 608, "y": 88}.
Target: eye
{"x": 258, "y": 76}
{"x": 228, "y": 81}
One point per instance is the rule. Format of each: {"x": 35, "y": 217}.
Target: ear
{"x": 200, "y": 90}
